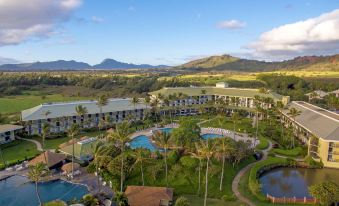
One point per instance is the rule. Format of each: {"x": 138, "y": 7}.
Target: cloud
{"x": 231, "y": 24}
{"x": 319, "y": 35}
{"x": 4, "y": 60}
{"x": 20, "y": 21}
{"x": 96, "y": 19}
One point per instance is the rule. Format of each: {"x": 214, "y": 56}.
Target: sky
{"x": 168, "y": 32}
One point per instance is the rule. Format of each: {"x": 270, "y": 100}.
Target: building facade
{"x": 193, "y": 96}
{"x": 7, "y": 132}
{"x": 60, "y": 116}
{"x": 319, "y": 129}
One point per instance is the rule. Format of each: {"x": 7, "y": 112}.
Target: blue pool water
{"x": 211, "y": 136}
{"x": 166, "y": 130}
{"x": 142, "y": 141}
{"x": 17, "y": 190}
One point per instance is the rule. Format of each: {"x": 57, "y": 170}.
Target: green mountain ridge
{"x": 230, "y": 63}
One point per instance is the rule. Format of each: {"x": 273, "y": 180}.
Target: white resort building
{"x": 60, "y": 116}
{"x": 7, "y": 132}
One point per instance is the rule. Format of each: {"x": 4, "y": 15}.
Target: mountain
{"x": 74, "y": 65}
{"x": 53, "y": 65}
{"x": 113, "y": 64}
{"x": 230, "y": 63}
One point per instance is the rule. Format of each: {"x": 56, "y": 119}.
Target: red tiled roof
{"x": 147, "y": 196}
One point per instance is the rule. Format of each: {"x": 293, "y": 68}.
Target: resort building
{"x": 335, "y": 92}
{"x": 8, "y": 131}
{"x": 150, "y": 196}
{"x": 83, "y": 149}
{"x": 319, "y": 129}
{"x": 60, "y": 116}
{"x": 235, "y": 97}
{"x": 317, "y": 94}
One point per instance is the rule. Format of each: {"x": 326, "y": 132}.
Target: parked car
{"x": 275, "y": 146}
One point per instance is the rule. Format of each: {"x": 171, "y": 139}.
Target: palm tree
{"x": 120, "y": 137}
{"x": 206, "y": 148}
{"x": 81, "y": 111}
{"x": 257, "y": 104}
{"x": 46, "y": 113}
{"x": 140, "y": 157}
{"x": 45, "y": 132}
{"x": 101, "y": 102}
{"x": 203, "y": 91}
{"x": 293, "y": 112}
{"x": 167, "y": 104}
{"x": 101, "y": 150}
{"x": 36, "y": 174}
{"x": 224, "y": 149}
{"x": 163, "y": 139}
{"x": 197, "y": 154}
{"x": 2, "y": 158}
{"x": 135, "y": 101}
{"x": 72, "y": 132}
{"x": 155, "y": 104}
{"x": 235, "y": 119}
{"x": 279, "y": 108}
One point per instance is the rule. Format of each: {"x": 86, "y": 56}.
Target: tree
{"x": 257, "y": 104}
{"x": 120, "y": 137}
{"x": 101, "y": 150}
{"x": 3, "y": 119}
{"x": 135, "y": 101}
{"x": 163, "y": 139}
{"x": 45, "y": 131}
{"x": 293, "y": 112}
{"x": 140, "y": 156}
{"x": 327, "y": 192}
{"x": 206, "y": 149}
{"x": 198, "y": 155}
{"x": 224, "y": 149}
{"x": 101, "y": 102}
{"x": 182, "y": 201}
{"x": 120, "y": 199}
{"x": 81, "y": 111}
{"x": 186, "y": 134}
{"x": 235, "y": 119}
{"x": 36, "y": 173}
{"x": 203, "y": 91}
{"x": 72, "y": 132}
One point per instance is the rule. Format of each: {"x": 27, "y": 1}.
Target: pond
{"x": 294, "y": 182}
{"x": 142, "y": 141}
{"x": 17, "y": 190}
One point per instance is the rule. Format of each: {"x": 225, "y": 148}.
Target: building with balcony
{"x": 319, "y": 129}
{"x": 60, "y": 116}
{"x": 234, "y": 97}
{"x": 8, "y": 131}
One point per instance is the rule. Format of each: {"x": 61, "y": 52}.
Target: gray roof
{"x": 9, "y": 127}
{"x": 66, "y": 109}
{"x": 322, "y": 123}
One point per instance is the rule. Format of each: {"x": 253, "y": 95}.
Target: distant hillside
{"x": 230, "y": 63}
{"x": 73, "y": 65}
{"x": 113, "y": 64}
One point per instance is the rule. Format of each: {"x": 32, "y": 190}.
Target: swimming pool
{"x": 142, "y": 141}
{"x": 17, "y": 190}
{"x": 166, "y": 130}
{"x": 211, "y": 136}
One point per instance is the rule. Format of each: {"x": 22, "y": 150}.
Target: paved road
{"x": 38, "y": 144}
{"x": 236, "y": 180}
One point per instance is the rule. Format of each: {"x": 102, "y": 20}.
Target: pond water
{"x": 17, "y": 190}
{"x": 142, "y": 141}
{"x": 294, "y": 182}
{"x": 210, "y": 136}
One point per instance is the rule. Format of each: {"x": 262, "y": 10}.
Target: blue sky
{"x": 165, "y": 31}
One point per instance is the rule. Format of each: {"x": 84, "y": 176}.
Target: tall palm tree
{"x": 235, "y": 119}
{"x": 279, "y": 108}
{"x": 101, "y": 150}
{"x": 257, "y": 104}
{"x": 81, "y": 111}
{"x": 72, "y": 132}
{"x": 155, "y": 103}
{"x": 120, "y": 137}
{"x": 135, "y": 101}
{"x": 101, "y": 102}
{"x": 36, "y": 173}
{"x": 47, "y": 113}
{"x": 293, "y": 112}
{"x": 224, "y": 149}
{"x": 198, "y": 155}
{"x": 140, "y": 157}
{"x": 45, "y": 131}
{"x": 2, "y": 158}
{"x": 163, "y": 139}
{"x": 206, "y": 149}
{"x": 167, "y": 104}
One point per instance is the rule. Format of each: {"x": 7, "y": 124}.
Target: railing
{"x": 287, "y": 200}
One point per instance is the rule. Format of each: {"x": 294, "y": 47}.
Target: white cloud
{"x": 319, "y": 35}
{"x": 20, "y": 21}
{"x": 4, "y": 60}
{"x": 231, "y": 24}
{"x": 96, "y": 19}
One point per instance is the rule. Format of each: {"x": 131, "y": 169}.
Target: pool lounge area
{"x": 18, "y": 190}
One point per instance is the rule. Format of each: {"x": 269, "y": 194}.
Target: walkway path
{"x": 38, "y": 144}
{"x": 236, "y": 180}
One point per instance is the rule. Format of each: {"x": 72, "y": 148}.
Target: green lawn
{"x": 14, "y": 104}
{"x": 295, "y": 152}
{"x": 185, "y": 180}
{"x": 199, "y": 201}
{"x": 243, "y": 125}
{"x": 263, "y": 144}
{"x": 18, "y": 150}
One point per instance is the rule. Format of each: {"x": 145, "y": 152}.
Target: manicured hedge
{"x": 295, "y": 152}
{"x": 263, "y": 144}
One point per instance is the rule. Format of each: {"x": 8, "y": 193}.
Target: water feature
{"x": 210, "y": 136}
{"x": 17, "y": 190}
{"x": 166, "y": 130}
{"x": 294, "y": 182}
{"x": 142, "y": 141}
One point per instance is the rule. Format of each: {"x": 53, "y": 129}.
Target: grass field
{"x": 18, "y": 150}
{"x": 199, "y": 201}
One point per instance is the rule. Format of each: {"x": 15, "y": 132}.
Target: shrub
{"x": 173, "y": 157}
{"x": 91, "y": 168}
{"x": 263, "y": 144}
{"x": 182, "y": 201}
{"x": 295, "y": 152}
{"x": 228, "y": 197}
{"x": 189, "y": 162}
